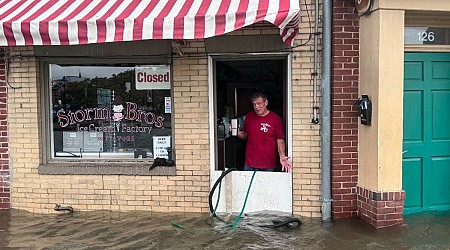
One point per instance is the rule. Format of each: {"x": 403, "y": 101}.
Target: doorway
{"x": 236, "y": 81}
{"x": 233, "y": 82}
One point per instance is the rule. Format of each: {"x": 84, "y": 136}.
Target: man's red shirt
{"x": 262, "y": 134}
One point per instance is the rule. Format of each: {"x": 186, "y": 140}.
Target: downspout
{"x": 326, "y": 110}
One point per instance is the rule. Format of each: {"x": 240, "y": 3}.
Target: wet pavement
{"x": 145, "y": 230}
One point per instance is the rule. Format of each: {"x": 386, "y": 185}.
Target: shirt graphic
{"x": 265, "y": 127}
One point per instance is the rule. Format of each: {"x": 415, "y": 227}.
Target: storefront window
{"x": 110, "y": 112}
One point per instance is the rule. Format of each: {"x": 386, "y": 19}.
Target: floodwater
{"x": 145, "y": 230}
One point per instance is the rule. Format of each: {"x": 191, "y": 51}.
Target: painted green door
{"x": 426, "y": 132}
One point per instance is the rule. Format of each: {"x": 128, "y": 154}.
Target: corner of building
{"x": 381, "y": 209}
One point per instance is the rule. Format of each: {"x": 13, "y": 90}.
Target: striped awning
{"x": 72, "y": 22}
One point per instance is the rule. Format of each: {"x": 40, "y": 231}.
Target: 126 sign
{"x": 426, "y": 36}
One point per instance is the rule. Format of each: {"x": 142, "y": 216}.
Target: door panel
{"x": 412, "y": 170}
{"x": 262, "y": 195}
{"x": 426, "y": 138}
{"x": 270, "y": 191}
{"x": 441, "y": 115}
{"x": 413, "y": 116}
{"x": 440, "y": 174}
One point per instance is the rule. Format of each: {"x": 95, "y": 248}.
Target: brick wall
{"x": 344, "y": 142}
{"x": 4, "y": 156}
{"x": 306, "y": 135}
{"x": 381, "y": 209}
{"x": 188, "y": 190}
{"x": 191, "y": 102}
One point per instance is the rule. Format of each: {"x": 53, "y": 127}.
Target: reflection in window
{"x": 97, "y": 112}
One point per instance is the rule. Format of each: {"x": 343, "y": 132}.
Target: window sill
{"x": 112, "y": 167}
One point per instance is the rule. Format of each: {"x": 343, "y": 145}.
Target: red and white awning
{"x": 72, "y": 22}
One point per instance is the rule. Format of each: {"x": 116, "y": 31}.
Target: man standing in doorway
{"x": 264, "y": 133}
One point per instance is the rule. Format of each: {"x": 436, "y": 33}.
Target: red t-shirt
{"x": 262, "y": 134}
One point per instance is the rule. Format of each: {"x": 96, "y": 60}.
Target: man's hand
{"x": 285, "y": 164}
{"x": 241, "y": 134}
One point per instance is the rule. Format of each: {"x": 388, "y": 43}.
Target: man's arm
{"x": 281, "y": 147}
{"x": 284, "y": 160}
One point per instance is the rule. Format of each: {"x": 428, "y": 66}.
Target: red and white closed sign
{"x": 152, "y": 77}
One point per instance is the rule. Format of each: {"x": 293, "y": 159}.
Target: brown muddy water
{"x": 145, "y": 230}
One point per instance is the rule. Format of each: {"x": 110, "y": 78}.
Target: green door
{"x": 426, "y": 132}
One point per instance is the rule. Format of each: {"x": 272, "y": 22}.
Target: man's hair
{"x": 259, "y": 93}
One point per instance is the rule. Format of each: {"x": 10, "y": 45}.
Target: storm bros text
{"x": 89, "y": 114}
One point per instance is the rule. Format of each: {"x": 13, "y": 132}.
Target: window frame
{"x": 63, "y": 165}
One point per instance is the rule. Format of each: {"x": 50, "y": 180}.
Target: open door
{"x": 232, "y": 83}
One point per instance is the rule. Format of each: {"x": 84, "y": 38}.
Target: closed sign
{"x": 152, "y": 77}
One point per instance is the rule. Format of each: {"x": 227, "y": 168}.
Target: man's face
{"x": 260, "y": 106}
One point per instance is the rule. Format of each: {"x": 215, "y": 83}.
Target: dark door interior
{"x": 236, "y": 80}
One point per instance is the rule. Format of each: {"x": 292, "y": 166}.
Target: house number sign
{"x": 427, "y": 36}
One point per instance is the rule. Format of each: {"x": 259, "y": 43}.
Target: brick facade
{"x": 186, "y": 192}
{"x": 188, "y": 189}
{"x": 5, "y": 176}
{"x": 381, "y": 209}
{"x": 344, "y": 142}
{"x": 306, "y": 135}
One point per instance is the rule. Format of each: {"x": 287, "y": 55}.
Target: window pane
{"x": 97, "y": 112}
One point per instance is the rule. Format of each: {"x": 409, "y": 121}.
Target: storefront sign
{"x": 160, "y": 145}
{"x": 98, "y": 121}
{"x": 427, "y": 35}
{"x": 132, "y": 113}
{"x": 152, "y": 77}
